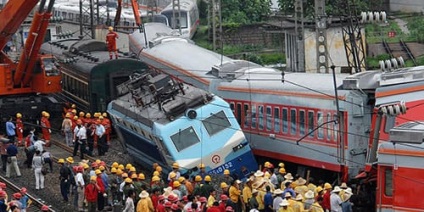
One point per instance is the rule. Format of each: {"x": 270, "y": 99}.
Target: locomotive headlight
{"x": 49, "y": 83}
{"x": 240, "y": 146}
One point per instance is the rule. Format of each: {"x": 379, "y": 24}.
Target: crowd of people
{"x": 18, "y": 202}
{"x": 95, "y": 186}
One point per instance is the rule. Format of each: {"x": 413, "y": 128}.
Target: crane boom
{"x": 12, "y": 16}
{"x": 136, "y": 12}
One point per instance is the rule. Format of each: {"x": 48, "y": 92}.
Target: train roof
{"x": 156, "y": 98}
{"x": 185, "y": 5}
{"x": 88, "y": 55}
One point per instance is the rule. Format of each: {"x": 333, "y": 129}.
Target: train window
{"x": 285, "y": 120}
{"x": 253, "y": 116}
{"x": 302, "y": 122}
{"x": 336, "y": 128}
{"x": 216, "y": 123}
{"x": 388, "y": 183}
{"x": 320, "y": 120}
{"x": 293, "y": 126}
{"x": 238, "y": 112}
{"x": 49, "y": 67}
{"x": 71, "y": 16}
{"x": 276, "y": 119}
{"x": 311, "y": 123}
{"x": 185, "y": 138}
{"x": 232, "y": 106}
{"x": 268, "y": 118}
{"x": 64, "y": 14}
{"x": 247, "y": 115}
{"x": 261, "y": 117}
{"x": 329, "y": 127}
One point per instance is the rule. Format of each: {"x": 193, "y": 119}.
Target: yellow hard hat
{"x": 202, "y": 165}
{"x": 115, "y": 164}
{"x": 132, "y": 169}
{"x": 68, "y": 115}
{"x": 74, "y": 111}
{"x": 102, "y": 168}
{"x": 318, "y": 189}
{"x": 121, "y": 167}
{"x": 81, "y": 113}
{"x": 124, "y": 175}
{"x": 98, "y": 161}
{"x": 128, "y": 180}
{"x": 119, "y": 172}
{"x": 226, "y": 171}
{"x": 327, "y": 186}
{"x": 208, "y": 178}
{"x": 18, "y": 115}
{"x": 267, "y": 164}
{"x": 128, "y": 166}
{"x": 172, "y": 175}
{"x": 198, "y": 178}
{"x": 70, "y": 160}
{"x": 281, "y": 165}
{"x": 61, "y": 160}
{"x": 282, "y": 170}
{"x": 134, "y": 176}
{"x": 97, "y": 171}
{"x": 113, "y": 170}
{"x": 110, "y": 28}
{"x": 47, "y": 114}
{"x": 93, "y": 178}
{"x": 181, "y": 179}
{"x": 224, "y": 185}
{"x": 75, "y": 118}
{"x": 96, "y": 115}
{"x": 104, "y": 114}
{"x": 175, "y": 165}
{"x": 85, "y": 166}
{"x": 88, "y": 115}
{"x": 43, "y": 113}
{"x": 267, "y": 175}
{"x": 155, "y": 173}
{"x": 141, "y": 176}
{"x": 176, "y": 184}
{"x": 155, "y": 179}
{"x": 73, "y": 106}
{"x": 158, "y": 168}
{"x": 100, "y": 117}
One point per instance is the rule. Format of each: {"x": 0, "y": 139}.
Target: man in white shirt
{"x": 101, "y": 141}
{"x": 38, "y": 144}
{"x": 80, "y": 139}
{"x": 79, "y": 180}
{"x": 335, "y": 200}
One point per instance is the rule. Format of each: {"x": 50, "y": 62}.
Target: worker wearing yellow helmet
{"x": 19, "y": 129}
{"x": 81, "y": 115}
{"x": 175, "y": 170}
{"x": 227, "y": 177}
{"x": 111, "y": 43}
{"x": 67, "y": 128}
{"x": 46, "y": 128}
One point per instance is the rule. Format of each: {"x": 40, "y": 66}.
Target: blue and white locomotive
{"x": 164, "y": 121}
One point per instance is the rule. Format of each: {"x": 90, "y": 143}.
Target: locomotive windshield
{"x": 216, "y": 123}
{"x": 185, "y": 138}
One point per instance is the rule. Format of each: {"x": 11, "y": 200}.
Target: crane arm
{"x": 118, "y": 13}
{"x": 35, "y": 47}
{"x": 136, "y": 12}
{"x": 12, "y": 16}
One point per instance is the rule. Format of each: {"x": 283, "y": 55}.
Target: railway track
{"x": 36, "y": 204}
{"x": 399, "y": 49}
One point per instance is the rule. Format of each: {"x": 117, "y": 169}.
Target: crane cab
{"x": 47, "y": 77}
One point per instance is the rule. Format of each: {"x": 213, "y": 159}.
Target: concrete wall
{"x": 407, "y": 5}
{"x": 252, "y": 35}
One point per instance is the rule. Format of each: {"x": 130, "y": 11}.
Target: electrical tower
{"x": 214, "y": 20}
{"x": 299, "y": 32}
{"x": 176, "y": 15}
{"x": 352, "y": 37}
{"x": 91, "y": 15}
{"x": 321, "y": 36}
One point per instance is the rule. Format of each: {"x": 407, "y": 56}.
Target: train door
{"x": 385, "y": 187}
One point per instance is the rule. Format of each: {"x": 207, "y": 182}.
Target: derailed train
{"x": 293, "y": 116}
{"x": 159, "y": 120}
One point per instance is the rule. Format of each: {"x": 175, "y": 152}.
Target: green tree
{"x": 333, "y": 7}
{"x": 245, "y": 11}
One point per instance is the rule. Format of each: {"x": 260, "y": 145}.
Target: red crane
{"x": 33, "y": 73}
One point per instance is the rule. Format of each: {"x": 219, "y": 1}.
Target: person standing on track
{"x": 47, "y": 157}
{"x": 79, "y": 180}
{"x": 80, "y": 139}
{"x": 10, "y": 129}
{"x": 29, "y": 147}
{"x": 45, "y": 128}
{"x": 67, "y": 129}
{"x": 37, "y": 165}
{"x": 19, "y": 129}
{"x": 4, "y": 144}
{"x": 91, "y": 191}
{"x": 64, "y": 178}
{"x": 12, "y": 159}
{"x": 108, "y": 129}
{"x": 100, "y": 132}
{"x": 111, "y": 43}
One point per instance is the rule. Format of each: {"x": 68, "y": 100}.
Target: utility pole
{"x": 214, "y": 20}
{"x": 176, "y": 14}
{"x": 299, "y": 32}
{"x": 321, "y": 36}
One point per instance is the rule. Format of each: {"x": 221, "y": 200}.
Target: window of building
{"x": 185, "y": 138}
